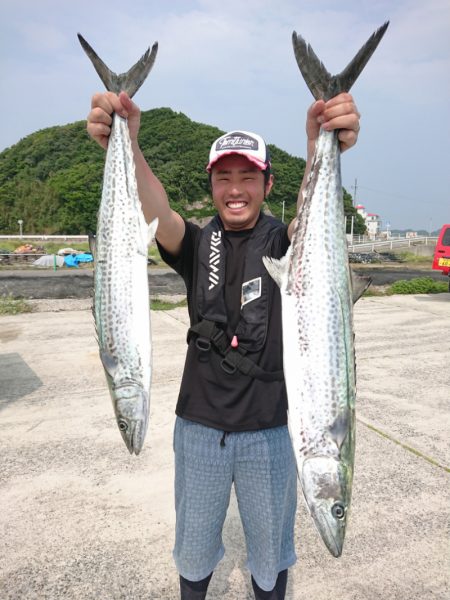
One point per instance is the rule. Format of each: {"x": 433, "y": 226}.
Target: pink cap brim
{"x": 259, "y": 163}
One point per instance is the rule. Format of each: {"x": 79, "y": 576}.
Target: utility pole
{"x": 282, "y": 212}
{"x": 355, "y": 187}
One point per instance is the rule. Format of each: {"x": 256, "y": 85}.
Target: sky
{"x": 231, "y": 64}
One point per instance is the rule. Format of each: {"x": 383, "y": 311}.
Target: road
{"x": 78, "y": 283}
{"x": 81, "y": 519}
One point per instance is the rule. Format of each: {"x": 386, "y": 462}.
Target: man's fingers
{"x": 340, "y": 110}
{"x": 347, "y": 138}
{"x": 316, "y": 108}
{"x": 339, "y": 99}
{"x": 346, "y": 121}
{"x": 98, "y": 130}
{"x": 98, "y": 115}
{"x": 109, "y": 102}
{"x": 126, "y": 102}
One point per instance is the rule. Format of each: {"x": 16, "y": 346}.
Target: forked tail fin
{"x": 322, "y": 84}
{"x": 128, "y": 82}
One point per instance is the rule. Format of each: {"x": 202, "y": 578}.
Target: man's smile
{"x": 236, "y": 204}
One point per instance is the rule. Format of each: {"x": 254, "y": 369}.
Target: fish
{"x": 121, "y": 304}
{"x": 317, "y": 318}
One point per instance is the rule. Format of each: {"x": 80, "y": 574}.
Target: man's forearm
{"x": 152, "y": 194}
{"x": 309, "y": 157}
{"x": 155, "y": 204}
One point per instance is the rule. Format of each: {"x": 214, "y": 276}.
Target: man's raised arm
{"x": 152, "y": 194}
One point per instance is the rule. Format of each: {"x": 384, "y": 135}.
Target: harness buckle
{"x": 203, "y": 344}
{"x": 228, "y": 367}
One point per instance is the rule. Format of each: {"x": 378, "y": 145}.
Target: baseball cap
{"x": 250, "y": 145}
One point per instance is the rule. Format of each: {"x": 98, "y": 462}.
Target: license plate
{"x": 444, "y": 262}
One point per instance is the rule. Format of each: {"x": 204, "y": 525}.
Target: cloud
{"x": 232, "y": 65}
{"x": 42, "y": 37}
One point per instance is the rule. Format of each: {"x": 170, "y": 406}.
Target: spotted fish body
{"x": 121, "y": 292}
{"x": 317, "y": 307}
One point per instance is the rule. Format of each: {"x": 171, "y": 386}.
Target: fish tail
{"x": 321, "y": 83}
{"x": 128, "y": 82}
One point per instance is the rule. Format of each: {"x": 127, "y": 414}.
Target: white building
{"x": 372, "y": 221}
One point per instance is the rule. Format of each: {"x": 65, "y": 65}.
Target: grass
{"x": 48, "y": 247}
{"x": 13, "y": 306}
{"x": 418, "y": 285}
{"x": 415, "y": 259}
{"x": 157, "y": 304}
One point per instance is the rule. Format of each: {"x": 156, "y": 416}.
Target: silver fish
{"x": 317, "y": 306}
{"x": 121, "y": 292}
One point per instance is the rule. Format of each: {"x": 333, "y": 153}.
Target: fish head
{"x": 326, "y": 487}
{"x": 131, "y": 409}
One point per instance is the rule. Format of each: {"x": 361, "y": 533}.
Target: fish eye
{"x": 123, "y": 425}
{"x": 338, "y": 510}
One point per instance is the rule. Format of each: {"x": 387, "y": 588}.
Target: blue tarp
{"x": 72, "y": 260}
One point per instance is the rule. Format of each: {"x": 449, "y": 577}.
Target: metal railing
{"x": 392, "y": 244}
{"x": 53, "y": 238}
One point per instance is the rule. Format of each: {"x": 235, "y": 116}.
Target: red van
{"x": 441, "y": 260}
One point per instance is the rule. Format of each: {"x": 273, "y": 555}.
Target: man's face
{"x": 238, "y": 191}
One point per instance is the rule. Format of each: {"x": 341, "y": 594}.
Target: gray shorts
{"x": 261, "y": 465}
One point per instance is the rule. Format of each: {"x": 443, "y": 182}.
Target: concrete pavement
{"x": 82, "y": 519}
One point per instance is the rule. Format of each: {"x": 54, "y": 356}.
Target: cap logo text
{"x": 238, "y": 141}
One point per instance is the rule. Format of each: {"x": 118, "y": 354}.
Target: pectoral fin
{"x": 359, "y": 285}
{"x": 340, "y": 428}
{"x": 109, "y": 363}
{"x": 277, "y": 267}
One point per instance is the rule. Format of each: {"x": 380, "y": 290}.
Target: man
{"x": 231, "y": 411}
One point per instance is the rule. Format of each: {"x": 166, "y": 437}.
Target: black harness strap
{"x": 209, "y": 335}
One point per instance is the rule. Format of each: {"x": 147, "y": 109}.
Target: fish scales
{"x": 319, "y": 353}
{"x": 121, "y": 287}
{"x": 121, "y": 291}
{"x": 317, "y": 291}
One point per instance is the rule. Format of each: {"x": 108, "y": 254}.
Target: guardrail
{"x": 392, "y": 244}
{"x": 53, "y": 238}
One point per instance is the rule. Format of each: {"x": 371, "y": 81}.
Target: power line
{"x": 384, "y": 193}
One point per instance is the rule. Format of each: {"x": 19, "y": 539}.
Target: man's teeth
{"x": 236, "y": 204}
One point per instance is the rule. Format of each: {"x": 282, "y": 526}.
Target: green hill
{"x": 52, "y": 178}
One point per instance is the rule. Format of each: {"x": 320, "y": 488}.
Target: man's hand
{"x": 100, "y": 118}
{"x": 338, "y": 113}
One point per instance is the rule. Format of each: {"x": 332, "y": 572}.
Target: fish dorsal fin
{"x": 321, "y": 83}
{"x": 128, "y": 82}
{"x": 277, "y": 267}
{"x": 152, "y": 230}
{"x": 359, "y": 285}
{"x": 92, "y": 245}
{"x": 340, "y": 428}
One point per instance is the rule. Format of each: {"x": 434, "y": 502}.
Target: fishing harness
{"x": 209, "y": 314}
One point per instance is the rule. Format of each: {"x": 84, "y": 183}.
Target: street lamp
{"x": 20, "y": 226}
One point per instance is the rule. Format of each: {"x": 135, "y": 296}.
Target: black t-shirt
{"x": 208, "y": 394}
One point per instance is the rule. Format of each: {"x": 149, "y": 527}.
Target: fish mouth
{"x": 332, "y": 534}
{"x": 132, "y": 435}
{"x": 132, "y": 409}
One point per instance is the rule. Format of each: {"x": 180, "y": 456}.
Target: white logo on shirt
{"x": 214, "y": 258}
